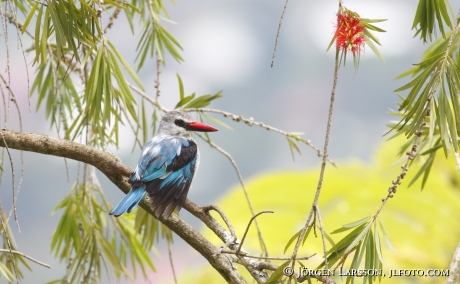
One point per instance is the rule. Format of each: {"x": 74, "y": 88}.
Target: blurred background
{"x": 228, "y": 46}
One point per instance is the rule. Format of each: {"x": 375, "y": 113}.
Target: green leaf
{"x": 291, "y": 240}
{"x": 378, "y": 248}
{"x": 385, "y": 236}
{"x": 345, "y": 241}
{"x": 374, "y": 48}
{"x": 355, "y": 263}
{"x": 370, "y": 256}
{"x": 154, "y": 39}
{"x": 331, "y": 42}
{"x": 278, "y": 273}
{"x": 29, "y": 17}
{"x": 374, "y": 21}
{"x": 125, "y": 95}
{"x": 428, "y": 14}
{"x": 202, "y": 101}
{"x": 359, "y": 238}
{"x": 435, "y": 148}
{"x": 293, "y": 146}
{"x": 172, "y": 45}
{"x": 40, "y": 37}
{"x": 184, "y": 101}
{"x": 357, "y": 223}
{"x": 126, "y": 65}
{"x": 181, "y": 87}
{"x": 296, "y": 236}
{"x": 328, "y": 238}
{"x": 148, "y": 226}
{"x": 144, "y": 124}
{"x": 425, "y": 169}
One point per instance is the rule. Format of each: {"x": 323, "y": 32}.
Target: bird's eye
{"x": 179, "y": 122}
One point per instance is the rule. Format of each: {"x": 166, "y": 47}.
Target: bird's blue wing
{"x": 156, "y": 156}
{"x": 165, "y": 170}
{"x": 170, "y": 190}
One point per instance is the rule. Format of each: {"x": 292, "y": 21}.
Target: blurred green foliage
{"x": 422, "y": 225}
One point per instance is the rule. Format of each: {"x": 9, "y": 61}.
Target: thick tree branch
{"x": 105, "y": 162}
{"x": 118, "y": 173}
{"x": 454, "y": 268}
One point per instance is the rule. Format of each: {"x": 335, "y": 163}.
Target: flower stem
{"x": 322, "y": 171}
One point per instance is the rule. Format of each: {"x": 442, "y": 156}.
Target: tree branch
{"x": 454, "y": 268}
{"x": 118, "y": 174}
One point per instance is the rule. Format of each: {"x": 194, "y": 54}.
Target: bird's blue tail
{"x": 129, "y": 202}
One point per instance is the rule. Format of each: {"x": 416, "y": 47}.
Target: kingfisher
{"x": 166, "y": 166}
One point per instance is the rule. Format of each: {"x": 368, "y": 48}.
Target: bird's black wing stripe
{"x": 187, "y": 154}
{"x": 168, "y": 198}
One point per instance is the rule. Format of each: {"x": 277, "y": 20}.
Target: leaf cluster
{"x": 364, "y": 242}
{"x": 431, "y": 109}
{"x": 431, "y": 14}
{"x": 69, "y": 43}
{"x": 85, "y": 86}
{"x": 191, "y": 101}
{"x": 84, "y": 240}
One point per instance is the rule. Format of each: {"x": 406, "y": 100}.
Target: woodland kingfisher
{"x": 166, "y": 166}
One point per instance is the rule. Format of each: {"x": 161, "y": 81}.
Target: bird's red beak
{"x": 199, "y": 126}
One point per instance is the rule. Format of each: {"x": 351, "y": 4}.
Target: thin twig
{"x": 404, "y": 168}
{"x": 15, "y": 189}
{"x": 157, "y": 89}
{"x": 133, "y": 128}
{"x": 111, "y": 19}
{"x": 278, "y": 33}
{"x": 251, "y": 122}
{"x": 323, "y": 235}
{"x": 248, "y": 226}
{"x": 157, "y": 80}
{"x": 222, "y": 215}
{"x": 15, "y": 22}
{"x": 99, "y": 14}
{"x": 245, "y": 254}
{"x": 246, "y": 194}
{"x": 146, "y": 97}
{"x": 171, "y": 263}
{"x": 10, "y": 158}
{"x": 26, "y": 256}
{"x": 41, "y": 3}
{"x": 7, "y": 46}
{"x": 13, "y": 99}
{"x": 323, "y": 166}
{"x": 8, "y": 241}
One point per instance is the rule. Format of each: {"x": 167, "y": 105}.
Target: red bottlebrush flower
{"x": 349, "y": 35}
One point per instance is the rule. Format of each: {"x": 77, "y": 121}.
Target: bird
{"x": 166, "y": 166}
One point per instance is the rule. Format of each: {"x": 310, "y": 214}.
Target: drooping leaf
{"x": 296, "y": 236}
{"x": 359, "y": 237}
{"x": 202, "y": 101}
{"x": 278, "y": 273}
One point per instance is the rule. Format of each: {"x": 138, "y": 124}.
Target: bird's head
{"x": 181, "y": 123}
